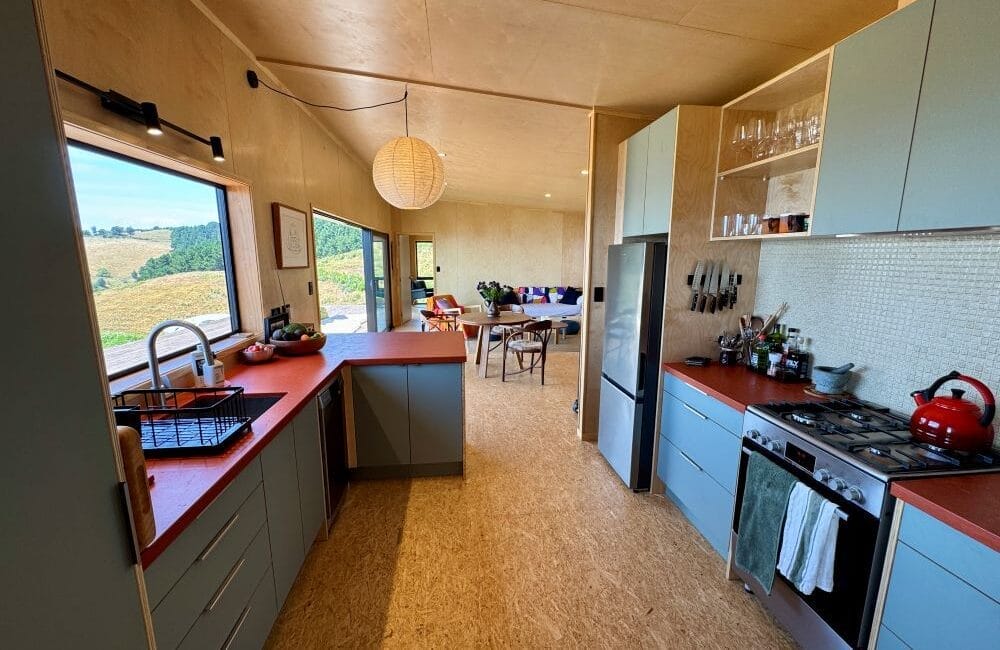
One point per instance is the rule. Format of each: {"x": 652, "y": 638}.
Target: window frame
{"x": 222, "y": 209}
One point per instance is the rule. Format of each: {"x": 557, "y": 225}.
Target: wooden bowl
{"x": 261, "y": 356}
{"x": 298, "y": 348}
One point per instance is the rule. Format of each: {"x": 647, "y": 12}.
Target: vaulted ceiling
{"x": 503, "y": 86}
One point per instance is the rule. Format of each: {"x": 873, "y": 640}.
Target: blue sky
{"x": 113, "y": 192}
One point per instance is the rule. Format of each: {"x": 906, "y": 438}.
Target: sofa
{"x": 548, "y": 302}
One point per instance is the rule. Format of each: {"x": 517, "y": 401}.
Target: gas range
{"x": 854, "y": 447}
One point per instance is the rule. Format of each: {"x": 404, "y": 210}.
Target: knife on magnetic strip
{"x": 705, "y": 286}
{"x": 699, "y": 271}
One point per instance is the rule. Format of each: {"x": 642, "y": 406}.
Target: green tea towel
{"x": 765, "y": 499}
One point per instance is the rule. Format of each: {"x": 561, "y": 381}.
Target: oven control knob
{"x": 839, "y": 484}
{"x": 854, "y": 494}
{"x": 822, "y": 475}
{"x": 773, "y": 445}
{"x": 753, "y": 434}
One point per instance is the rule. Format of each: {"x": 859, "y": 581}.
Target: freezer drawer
{"x": 618, "y": 436}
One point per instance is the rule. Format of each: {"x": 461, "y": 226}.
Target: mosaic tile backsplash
{"x": 904, "y": 309}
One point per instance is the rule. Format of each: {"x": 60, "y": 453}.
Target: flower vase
{"x": 492, "y": 309}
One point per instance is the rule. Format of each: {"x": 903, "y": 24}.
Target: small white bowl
{"x": 257, "y": 356}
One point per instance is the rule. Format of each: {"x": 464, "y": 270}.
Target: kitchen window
{"x": 157, "y": 248}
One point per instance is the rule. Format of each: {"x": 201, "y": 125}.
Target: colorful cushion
{"x": 555, "y": 294}
{"x": 570, "y": 296}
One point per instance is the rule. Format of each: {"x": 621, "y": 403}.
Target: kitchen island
{"x": 184, "y": 487}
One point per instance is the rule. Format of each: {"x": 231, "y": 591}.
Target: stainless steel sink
{"x": 258, "y": 403}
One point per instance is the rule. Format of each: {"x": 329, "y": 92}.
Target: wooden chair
{"x": 437, "y": 322}
{"x": 531, "y": 339}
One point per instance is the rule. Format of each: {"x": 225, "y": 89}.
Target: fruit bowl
{"x": 298, "y": 348}
{"x": 262, "y": 354}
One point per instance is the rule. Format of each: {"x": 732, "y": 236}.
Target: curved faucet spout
{"x": 154, "y": 363}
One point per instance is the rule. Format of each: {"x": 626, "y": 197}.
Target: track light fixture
{"x": 144, "y": 113}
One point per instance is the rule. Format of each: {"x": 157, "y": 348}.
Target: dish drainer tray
{"x": 184, "y": 421}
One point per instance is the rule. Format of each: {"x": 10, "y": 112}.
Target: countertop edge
{"x": 946, "y": 516}
{"x": 688, "y": 379}
{"x": 168, "y": 535}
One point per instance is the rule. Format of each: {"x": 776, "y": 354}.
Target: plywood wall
{"x": 486, "y": 241}
{"x": 606, "y": 132}
{"x": 171, "y": 53}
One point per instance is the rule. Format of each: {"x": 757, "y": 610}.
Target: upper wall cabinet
{"x": 634, "y": 203}
{"x": 768, "y": 151}
{"x": 871, "y": 108}
{"x": 952, "y": 177}
{"x": 660, "y": 174}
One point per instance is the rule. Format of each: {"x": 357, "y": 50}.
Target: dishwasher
{"x": 331, "y": 411}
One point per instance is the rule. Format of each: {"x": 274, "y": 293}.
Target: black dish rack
{"x": 184, "y": 421}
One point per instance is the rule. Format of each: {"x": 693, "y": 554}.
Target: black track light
{"x": 152, "y": 118}
{"x": 217, "y": 153}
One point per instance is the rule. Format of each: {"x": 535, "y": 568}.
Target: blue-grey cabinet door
{"x": 874, "y": 88}
{"x": 67, "y": 571}
{"x": 952, "y": 178}
{"x": 660, "y": 174}
{"x": 381, "y": 415}
{"x": 634, "y": 201}
{"x": 284, "y": 519}
{"x": 309, "y": 459}
{"x": 436, "y": 413}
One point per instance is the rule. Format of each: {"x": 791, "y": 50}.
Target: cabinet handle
{"x": 236, "y": 628}
{"x": 225, "y": 585}
{"x": 218, "y": 538}
{"x": 703, "y": 417}
{"x": 688, "y": 459}
{"x": 697, "y": 390}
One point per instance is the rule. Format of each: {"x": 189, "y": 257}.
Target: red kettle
{"x": 953, "y": 422}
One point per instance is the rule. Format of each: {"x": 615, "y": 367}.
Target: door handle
{"x": 688, "y": 459}
{"x": 218, "y": 538}
{"x": 697, "y": 413}
{"x": 225, "y": 585}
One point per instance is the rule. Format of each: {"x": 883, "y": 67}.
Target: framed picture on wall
{"x": 291, "y": 236}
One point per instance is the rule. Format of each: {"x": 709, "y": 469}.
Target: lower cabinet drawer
{"x": 716, "y": 450}
{"x": 928, "y": 607}
{"x": 889, "y": 641}
{"x": 703, "y": 501}
{"x": 175, "y": 614}
{"x": 255, "y": 621}
{"x": 221, "y": 616}
{"x": 164, "y": 573}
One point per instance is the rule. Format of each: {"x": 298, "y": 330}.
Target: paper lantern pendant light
{"x": 408, "y": 173}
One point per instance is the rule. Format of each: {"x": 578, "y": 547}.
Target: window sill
{"x": 177, "y": 370}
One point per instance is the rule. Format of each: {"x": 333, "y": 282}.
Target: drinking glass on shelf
{"x": 737, "y": 225}
{"x": 812, "y": 130}
{"x": 726, "y": 219}
{"x": 752, "y": 226}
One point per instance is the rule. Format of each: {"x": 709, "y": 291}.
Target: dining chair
{"x": 437, "y": 322}
{"x": 532, "y": 338}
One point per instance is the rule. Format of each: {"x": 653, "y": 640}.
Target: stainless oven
{"x": 841, "y": 618}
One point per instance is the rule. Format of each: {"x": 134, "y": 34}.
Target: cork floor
{"x": 539, "y": 545}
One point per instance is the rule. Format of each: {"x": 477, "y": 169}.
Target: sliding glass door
{"x": 379, "y": 297}
{"x": 352, "y": 270}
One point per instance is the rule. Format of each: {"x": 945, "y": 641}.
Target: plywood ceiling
{"x": 638, "y": 56}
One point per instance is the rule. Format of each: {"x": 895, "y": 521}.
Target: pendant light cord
{"x": 331, "y": 106}
{"x": 406, "y": 110}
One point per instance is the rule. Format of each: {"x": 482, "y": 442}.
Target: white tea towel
{"x": 809, "y": 541}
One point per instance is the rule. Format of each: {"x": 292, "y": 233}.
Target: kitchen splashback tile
{"x": 905, "y": 309}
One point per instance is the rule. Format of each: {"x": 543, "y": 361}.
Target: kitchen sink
{"x": 258, "y": 403}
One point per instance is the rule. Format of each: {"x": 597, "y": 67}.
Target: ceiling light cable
{"x": 254, "y": 80}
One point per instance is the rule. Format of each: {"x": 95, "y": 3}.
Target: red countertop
{"x": 738, "y": 387}
{"x": 183, "y": 487}
{"x": 966, "y": 503}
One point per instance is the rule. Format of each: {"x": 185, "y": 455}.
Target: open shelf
{"x": 785, "y": 163}
{"x": 778, "y": 235}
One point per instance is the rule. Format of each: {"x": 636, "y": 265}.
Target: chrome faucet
{"x": 157, "y": 381}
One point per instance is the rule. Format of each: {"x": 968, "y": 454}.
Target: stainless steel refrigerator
{"x": 633, "y": 321}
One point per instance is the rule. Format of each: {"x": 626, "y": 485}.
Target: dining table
{"x": 486, "y": 323}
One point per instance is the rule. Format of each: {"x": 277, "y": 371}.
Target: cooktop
{"x": 873, "y": 435}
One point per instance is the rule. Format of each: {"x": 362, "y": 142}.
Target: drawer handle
{"x": 688, "y": 459}
{"x": 225, "y": 585}
{"x": 218, "y": 538}
{"x": 697, "y": 390}
{"x": 699, "y": 414}
{"x": 236, "y": 628}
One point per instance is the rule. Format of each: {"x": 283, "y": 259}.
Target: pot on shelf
{"x": 952, "y": 422}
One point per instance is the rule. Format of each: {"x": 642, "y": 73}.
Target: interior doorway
{"x": 417, "y": 273}
{"x": 352, "y": 268}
